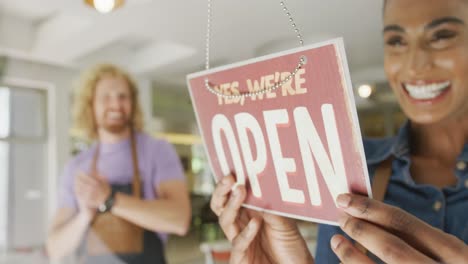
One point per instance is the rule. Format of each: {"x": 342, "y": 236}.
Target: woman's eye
{"x": 395, "y": 41}
{"x": 443, "y": 35}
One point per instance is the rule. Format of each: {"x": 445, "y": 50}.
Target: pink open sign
{"x": 286, "y": 125}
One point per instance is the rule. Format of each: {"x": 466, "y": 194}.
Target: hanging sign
{"x": 286, "y": 126}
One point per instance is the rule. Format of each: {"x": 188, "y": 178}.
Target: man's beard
{"x": 116, "y": 128}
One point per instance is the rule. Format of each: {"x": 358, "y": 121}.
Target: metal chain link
{"x": 302, "y": 60}
{"x": 293, "y": 24}
{"x": 208, "y": 34}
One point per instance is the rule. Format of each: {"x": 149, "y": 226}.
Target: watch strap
{"x": 108, "y": 203}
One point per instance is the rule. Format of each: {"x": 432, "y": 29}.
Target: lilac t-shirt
{"x": 157, "y": 162}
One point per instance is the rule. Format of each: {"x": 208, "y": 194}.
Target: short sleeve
{"x": 66, "y": 193}
{"x": 168, "y": 166}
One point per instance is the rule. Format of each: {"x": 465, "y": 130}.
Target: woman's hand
{"x": 392, "y": 235}
{"x": 256, "y": 237}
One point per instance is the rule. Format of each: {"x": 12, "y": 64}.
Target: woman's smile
{"x": 426, "y": 91}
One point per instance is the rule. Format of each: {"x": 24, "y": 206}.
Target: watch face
{"x": 108, "y": 203}
{"x": 102, "y": 208}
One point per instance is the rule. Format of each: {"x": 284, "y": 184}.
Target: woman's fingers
{"x": 347, "y": 252}
{"x": 379, "y": 213}
{"x": 425, "y": 238}
{"x": 241, "y": 243}
{"x": 230, "y": 213}
{"x": 226, "y": 204}
{"x": 382, "y": 243}
{"x": 221, "y": 194}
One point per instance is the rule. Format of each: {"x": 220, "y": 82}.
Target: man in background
{"x": 119, "y": 198}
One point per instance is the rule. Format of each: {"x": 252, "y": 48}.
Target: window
{"x": 4, "y": 112}
{"x": 23, "y": 168}
{"x": 4, "y": 168}
{"x": 4, "y": 163}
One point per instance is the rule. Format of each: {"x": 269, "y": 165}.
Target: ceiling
{"x": 165, "y": 40}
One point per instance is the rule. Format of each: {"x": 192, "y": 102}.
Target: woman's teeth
{"x": 428, "y": 91}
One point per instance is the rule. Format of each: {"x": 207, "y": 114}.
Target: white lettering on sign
{"x": 246, "y": 122}
{"x": 220, "y": 122}
{"x": 311, "y": 147}
{"x": 288, "y": 88}
{"x": 282, "y": 165}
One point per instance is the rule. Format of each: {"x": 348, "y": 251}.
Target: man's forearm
{"x": 65, "y": 239}
{"x": 160, "y": 215}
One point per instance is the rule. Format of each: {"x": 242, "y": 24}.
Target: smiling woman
{"x": 426, "y": 63}
{"x": 426, "y": 58}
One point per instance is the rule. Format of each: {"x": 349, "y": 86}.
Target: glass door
{"x": 23, "y": 169}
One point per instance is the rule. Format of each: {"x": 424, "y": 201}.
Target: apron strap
{"x": 136, "y": 173}
{"x": 136, "y": 183}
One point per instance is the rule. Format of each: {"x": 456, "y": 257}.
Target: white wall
{"x": 15, "y": 32}
{"x": 145, "y": 96}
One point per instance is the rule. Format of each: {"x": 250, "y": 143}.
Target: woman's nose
{"x": 418, "y": 61}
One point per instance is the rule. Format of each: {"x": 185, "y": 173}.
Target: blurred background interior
{"x": 45, "y": 44}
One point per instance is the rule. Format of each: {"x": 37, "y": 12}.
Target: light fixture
{"x": 365, "y": 91}
{"x": 104, "y": 6}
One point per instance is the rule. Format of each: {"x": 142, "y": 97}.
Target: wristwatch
{"x": 108, "y": 203}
